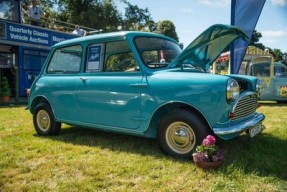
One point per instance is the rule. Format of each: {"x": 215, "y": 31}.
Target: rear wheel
{"x": 180, "y": 132}
{"x": 44, "y": 121}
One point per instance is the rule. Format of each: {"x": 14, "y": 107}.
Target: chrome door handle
{"x": 83, "y": 78}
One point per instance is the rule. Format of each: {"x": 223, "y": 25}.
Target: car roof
{"x": 111, "y": 35}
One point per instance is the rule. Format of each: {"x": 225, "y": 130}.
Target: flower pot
{"x": 209, "y": 164}
{"x": 5, "y": 99}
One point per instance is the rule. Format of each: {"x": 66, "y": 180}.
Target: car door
{"x": 59, "y": 82}
{"x": 109, "y": 93}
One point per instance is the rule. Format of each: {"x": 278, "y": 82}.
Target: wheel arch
{"x": 170, "y": 108}
{"x": 36, "y": 101}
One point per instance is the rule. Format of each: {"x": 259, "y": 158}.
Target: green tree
{"x": 284, "y": 58}
{"x": 5, "y": 89}
{"x": 45, "y": 4}
{"x": 255, "y": 38}
{"x": 96, "y": 14}
{"x": 103, "y": 14}
{"x": 278, "y": 55}
{"x": 167, "y": 28}
{"x": 137, "y": 18}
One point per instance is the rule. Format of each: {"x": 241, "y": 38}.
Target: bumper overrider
{"x": 234, "y": 129}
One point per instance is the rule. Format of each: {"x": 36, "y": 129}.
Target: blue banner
{"x": 31, "y": 35}
{"x": 244, "y": 14}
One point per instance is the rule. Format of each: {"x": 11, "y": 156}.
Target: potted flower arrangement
{"x": 5, "y": 90}
{"x": 207, "y": 154}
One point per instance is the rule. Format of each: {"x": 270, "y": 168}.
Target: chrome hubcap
{"x": 180, "y": 137}
{"x": 43, "y": 120}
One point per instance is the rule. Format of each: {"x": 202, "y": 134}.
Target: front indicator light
{"x": 231, "y": 115}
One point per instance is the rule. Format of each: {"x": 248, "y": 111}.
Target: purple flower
{"x": 218, "y": 156}
{"x": 200, "y": 156}
{"x": 208, "y": 151}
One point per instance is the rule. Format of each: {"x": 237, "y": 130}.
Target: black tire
{"x": 180, "y": 132}
{"x": 44, "y": 120}
{"x": 281, "y": 102}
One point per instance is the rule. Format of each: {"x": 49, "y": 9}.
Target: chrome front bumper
{"x": 235, "y": 129}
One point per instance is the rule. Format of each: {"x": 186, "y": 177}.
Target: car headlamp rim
{"x": 259, "y": 86}
{"x": 232, "y": 90}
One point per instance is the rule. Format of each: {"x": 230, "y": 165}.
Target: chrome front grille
{"x": 245, "y": 106}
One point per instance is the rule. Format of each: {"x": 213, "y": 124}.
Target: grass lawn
{"x": 80, "y": 159}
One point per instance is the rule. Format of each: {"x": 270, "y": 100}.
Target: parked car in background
{"x": 259, "y": 63}
{"x": 142, "y": 84}
{"x": 273, "y": 76}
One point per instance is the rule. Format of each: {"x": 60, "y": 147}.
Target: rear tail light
{"x": 27, "y": 93}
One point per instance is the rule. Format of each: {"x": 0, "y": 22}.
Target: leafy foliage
{"x": 137, "y": 18}
{"x": 90, "y": 13}
{"x": 5, "y": 87}
{"x": 167, "y": 28}
{"x": 103, "y": 14}
{"x": 255, "y": 40}
{"x": 278, "y": 55}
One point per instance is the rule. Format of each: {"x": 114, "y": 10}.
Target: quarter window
{"x": 66, "y": 60}
{"x": 119, "y": 58}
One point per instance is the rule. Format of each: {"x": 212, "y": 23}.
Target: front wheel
{"x": 44, "y": 121}
{"x": 180, "y": 132}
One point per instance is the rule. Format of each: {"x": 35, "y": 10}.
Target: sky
{"x": 191, "y": 17}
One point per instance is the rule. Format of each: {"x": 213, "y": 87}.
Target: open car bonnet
{"x": 203, "y": 51}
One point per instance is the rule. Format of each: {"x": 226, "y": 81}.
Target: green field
{"x": 82, "y": 159}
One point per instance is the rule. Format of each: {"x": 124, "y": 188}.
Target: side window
{"x": 150, "y": 56}
{"x": 34, "y": 60}
{"x": 243, "y": 68}
{"x": 66, "y": 60}
{"x": 9, "y": 10}
{"x": 261, "y": 70}
{"x": 280, "y": 71}
{"x": 119, "y": 58}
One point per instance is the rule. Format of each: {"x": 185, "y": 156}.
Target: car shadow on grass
{"x": 264, "y": 155}
{"x": 108, "y": 140}
{"x": 273, "y": 104}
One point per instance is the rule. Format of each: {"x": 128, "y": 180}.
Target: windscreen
{"x": 157, "y": 52}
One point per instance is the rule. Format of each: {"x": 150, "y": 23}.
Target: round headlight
{"x": 232, "y": 90}
{"x": 259, "y": 87}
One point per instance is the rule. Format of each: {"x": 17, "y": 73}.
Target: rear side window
{"x": 66, "y": 60}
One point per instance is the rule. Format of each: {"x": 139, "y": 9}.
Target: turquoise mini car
{"x": 143, "y": 84}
